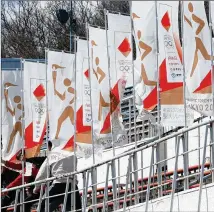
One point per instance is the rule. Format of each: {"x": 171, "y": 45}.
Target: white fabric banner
{"x": 82, "y": 48}
{"x": 170, "y": 67}
{"x": 120, "y": 65}
{"x": 83, "y": 105}
{"x": 100, "y": 86}
{"x": 120, "y": 49}
{"x": 61, "y": 96}
{"x": 143, "y": 15}
{"x": 12, "y": 112}
{"x": 197, "y": 53}
{"x": 35, "y": 106}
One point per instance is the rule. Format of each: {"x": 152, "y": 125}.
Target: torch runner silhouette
{"x": 16, "y": 112}
{"x": 98, "y": 71}
{"x": 145, "y": 50}
{"x": 67, "y": 97}
{"x": 199, "y": 44}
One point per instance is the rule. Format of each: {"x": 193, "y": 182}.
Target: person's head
{"x": 20, "y": 156}
{"x": 190, "y": 7}
{"x": 139, "y": 34}
{"x": 67, "y": 82}
{"x": 17, "y": 99}
{"x": 49, "y": 145}
{"x": 97, "y": 61}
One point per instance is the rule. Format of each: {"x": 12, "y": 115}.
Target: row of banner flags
{"x": 79, "y": 95}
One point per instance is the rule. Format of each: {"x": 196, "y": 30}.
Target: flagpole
{"x": 212, "y": 75}
{"x": 23, "y": 141}
{"x": 211, "y": 23}
{"x": 183, "y": 61}
{"x": 111, "y": 125}
{"x": 109, "y": 77}
{"x": 133, "y": 75}
{"x": 135, "y": 158}
{"x": 186, "y": 184}
{"x": 158, "y": 101}
{"x": 47, "y": 124}
{"x": 94, "y": 171}
{"x": 90, "y": 75}
{"x": 75, "y": 117}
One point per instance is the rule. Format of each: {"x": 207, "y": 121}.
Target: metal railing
{"x": 118, "y": 187}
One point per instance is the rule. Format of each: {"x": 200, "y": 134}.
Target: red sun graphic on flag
{"x": 124, "y": 47}
{"x": 86, "y": 73}
{"x": 39, "y": 92}
{"x": 165, "y": 21}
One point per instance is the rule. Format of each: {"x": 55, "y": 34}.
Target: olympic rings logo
{"x": 168, "y": 44}
{"x": 88, "y": 119}
{"x": 87, "y": 92}
{"x": 39, "y": 110}
{"x": 125, "y": 68}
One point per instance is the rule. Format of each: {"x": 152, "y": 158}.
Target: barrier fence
{"x": 180, "y": 170}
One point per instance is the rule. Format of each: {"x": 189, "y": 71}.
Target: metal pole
{"x": 211, "y": 22}
{"x": 135, "y": 165}
{"x": 109, "y": 73}
{"x": 133, "y": 75}
{"x": 174, "y": 182}
{"x": 114, "y": 182}
{"x": 130, "y": 121}
{"x": 16, "y": 199}
{"x": 75, "y": 122}
{"x": 66, "y": 195}
{"x": 149, "y": 180}
{"x": 159, "y": 104}
{"x": 202, "y": 169}
{"x": 212, "y": 149}
{"x": 85, "y": 190}
{"x": 93, "y": 170}
{"x": 23, "y": 141}
{"x": 90, "y": 75}
{"x": 185, "y": 144}
{"x": 71, "y": 21}
{"x": 106, "y": 189}
{"x": 47, "y": 131}
{"x": 127, "y": 182}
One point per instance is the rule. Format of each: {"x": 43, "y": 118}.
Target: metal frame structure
{"x": 176, "y": 181}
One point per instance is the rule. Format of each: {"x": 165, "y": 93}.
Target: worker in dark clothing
{"x": 59, "y": 163}
{"x": 30, "y": 172}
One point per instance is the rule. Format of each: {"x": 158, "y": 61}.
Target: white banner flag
{"x": 120, "y": 51}
{"x": 82, "y": 48}
{"x": 83, "y": 107}
{"x": 170, "y": 67}
{"x": 197, "y": 53}
{"x": 121, "y": 69}
{"x": 12, "y": 113}
{"x": 61, "y": 96}
{"x": 143, "y": 15}
{"x": 100, "y": 86}
{"x": 35, "y": 106}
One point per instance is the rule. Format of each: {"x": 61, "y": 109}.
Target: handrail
{"x": 180, "y": 132}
